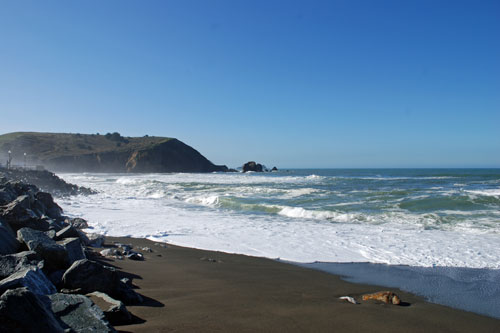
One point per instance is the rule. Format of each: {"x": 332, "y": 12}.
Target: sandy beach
{"x": 190, "y": 290}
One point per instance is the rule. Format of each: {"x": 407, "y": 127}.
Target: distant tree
{"x": 115, "y": 136}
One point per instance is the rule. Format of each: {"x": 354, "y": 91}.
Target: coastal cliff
{"x": 63, "y": 152}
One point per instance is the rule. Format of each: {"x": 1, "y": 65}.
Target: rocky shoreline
{"x": 45, "y": 180}
{"x": 50, "y": 273}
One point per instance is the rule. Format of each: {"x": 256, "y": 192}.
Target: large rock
{"x": 114, "y": 310}
{"x": 77, "y": 223}
{"x": 32, "y": 278}
{"x": 22, "y": 311}
{"x": 252, "y": 166}
{"x": 67, "y": 232}
{"x": 52, "y": 209}
{"x": 79, "y": 313}
{"x": 74, "y": 249}
{"x": 9, "y": 264}
{"x": 88, "y": 276}
{"x": 53, "y": 253}
{"x": 94, "y": 240}
{"x": 126, "y": 294}
{"x": 7, "y": 193}
{"x": 8, "y": 241}
{"x": 19, "y": 214}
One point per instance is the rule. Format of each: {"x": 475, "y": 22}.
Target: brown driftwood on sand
{"x": 387, "y": 297}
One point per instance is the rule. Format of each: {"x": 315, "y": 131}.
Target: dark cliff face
{"x": 171, "y": 156}
{"x": 64, "y": 153}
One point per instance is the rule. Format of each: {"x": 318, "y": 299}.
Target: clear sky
{"x": 288, "y": 83}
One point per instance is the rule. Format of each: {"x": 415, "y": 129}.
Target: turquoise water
{"x": 433, "y": 198}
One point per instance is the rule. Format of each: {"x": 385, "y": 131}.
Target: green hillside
{"x": 110, "y": 152}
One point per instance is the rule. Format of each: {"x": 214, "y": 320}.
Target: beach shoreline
{"x": 187, "y": 289}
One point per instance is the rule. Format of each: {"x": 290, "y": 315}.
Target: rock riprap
{"x": 45, "y": 272}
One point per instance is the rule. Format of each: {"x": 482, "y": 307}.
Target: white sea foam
{"x": 187, "y": 210}
{"x": 210, "y": 200}
{"x": 488, "y": 192}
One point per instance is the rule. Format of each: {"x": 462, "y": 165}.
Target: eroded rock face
{"x": 252, "y": 166}
{"x": 79, "y": 313}
{"x": 23, "y": 311}
{"x": 32, "y": 278}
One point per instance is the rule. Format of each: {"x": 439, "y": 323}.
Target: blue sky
{"x": 286, "y": 83}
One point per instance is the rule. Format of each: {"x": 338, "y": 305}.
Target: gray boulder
{"x": 132, "y": 255}
{"x": 53, "y": 253}
{"x": 22, "y": 311}
{"x": 9, "y": 264}
{"x": 77, "y": 223}
{"x": 114, "y": 310}
{"x": 19, "y": 214}
{"x": 73, "y": 249}
{"x": 88, "y": 276}
{"x": 8, "y": 241}
{"x": 126, "y": 294}
{"x": 79, "y": 313}
{"x": 7, "y": 194}
{"x": 95, "y": 240}
{"x": 51, "y": 234}
{"x": 51, "y": 208}
{"x": 32, "y": 278}
{"x": 67, "y": 232}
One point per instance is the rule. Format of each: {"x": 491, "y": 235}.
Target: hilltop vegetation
{"x": 47, "y": 145}
{"x": 104, "y": 153}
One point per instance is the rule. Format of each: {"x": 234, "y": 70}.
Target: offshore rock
{"x": 114, "y": 310}
{"x": 53, "y": 253}
{"x": 8, "y": 241}
{"x": 9, "y": 264}
{"x": 252, "y": 166}
{"x": 31, "y": 278}
{"x": 79, "y": 313}
{"x": 23, "y": 311}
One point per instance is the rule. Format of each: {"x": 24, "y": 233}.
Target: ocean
{"x": 420, "y": 218}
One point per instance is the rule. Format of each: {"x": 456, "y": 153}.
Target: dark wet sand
{"x": 189, "y": 290}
